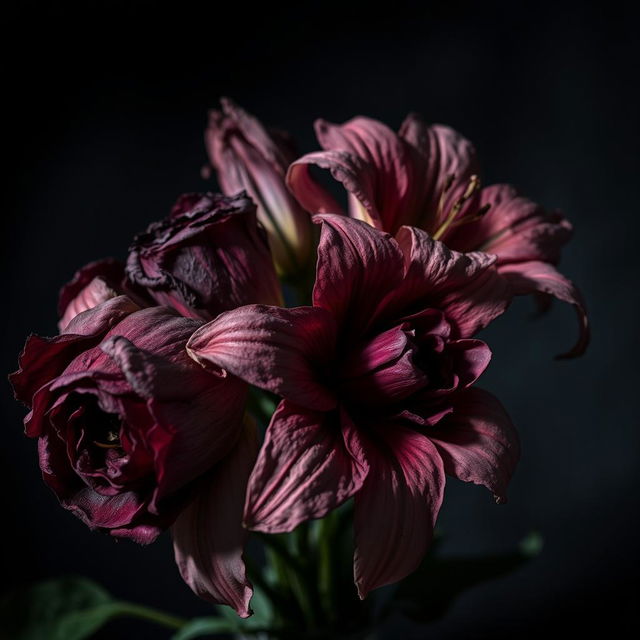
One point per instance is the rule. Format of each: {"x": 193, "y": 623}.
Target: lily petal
{"x": 208, "y": 536}
{"x": 540, "y": 277}
{"x": 466, "y": 286}
{"x": 280, "y": 350}
{"x": 478, "y": 442}
{"x": 396, "y": 509}
{"x": 304, "y": 470}
{"x": 357, "y": 266}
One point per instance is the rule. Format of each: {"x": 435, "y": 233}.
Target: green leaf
{"x": 200, "y": 627}
{"x": 427, "y": 594}
{"x": 66, "y": 609}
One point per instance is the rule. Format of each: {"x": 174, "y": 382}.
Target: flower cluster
{"x": 140, "y": 404}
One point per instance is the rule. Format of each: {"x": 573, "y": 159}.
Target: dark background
{"x": 106, "y": 106}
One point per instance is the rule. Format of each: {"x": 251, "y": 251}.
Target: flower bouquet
{"x": 284, "y": 382}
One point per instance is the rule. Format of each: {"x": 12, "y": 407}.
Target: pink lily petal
{"x": 308, "y": 465}
{"x": 478, "y": 442}
{"x": 280, "y": 350}
{"x": 466, "y": 286}
{"x": 396, "y": 509}
{"x": 357, "y": 266}
{"x": 539, "y": 277}
{"x": 438, "y": 153}
{"x": 514, "y": 228}
{"x": 208, "y": 536}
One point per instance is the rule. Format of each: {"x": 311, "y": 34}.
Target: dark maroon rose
{"x": 210, "y": 255}
{"x": 126, "y": 421}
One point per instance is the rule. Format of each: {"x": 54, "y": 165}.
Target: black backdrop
{"x": 106, "y": 105}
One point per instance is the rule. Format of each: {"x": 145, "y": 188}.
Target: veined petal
{"x": 514, "y": 228}
{"x": 97, "y": 291}
{"x": 478, "y": 442}
{"x": 397, "y": 507}
{"x": 280, "y": 350}
{"x": 540, "y": 277}
{"x": 357, "y": 266}
{"x": 466, "y": 286}
{"x": 208, "y": 536}
{"x": 305, "y": 469}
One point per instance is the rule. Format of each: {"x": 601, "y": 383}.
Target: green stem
{"x": 326, "y": 574}
{"x": 147, "y": 613}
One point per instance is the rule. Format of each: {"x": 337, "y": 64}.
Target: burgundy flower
{"x": 376, "y": 379}
{"x": 427, "y": 176}
{"x": 131, "y": 431}
{"x": 247, "y": 156}
{"x": 208, "y": 256}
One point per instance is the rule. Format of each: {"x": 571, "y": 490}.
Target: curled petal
{"x": 539, "y": 277}
{"x": 208, "y": 537}
{"x": 357, "y": 266}
{"x": 97, "y": 291}
{"x": 281, "y": 350}
{"x": 396, "y": 509}
{"x": 308, "y": 465}
{"x": 466, "y": 286}
{"x": 478, "y": 442}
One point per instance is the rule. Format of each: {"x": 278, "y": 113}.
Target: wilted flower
{"x": 130, "y": 430}
{"x": 208, "y": 256}
{"x": 376, "y": 378}
{"x": 247, "y": 156}
{"x": 427, "y": 176}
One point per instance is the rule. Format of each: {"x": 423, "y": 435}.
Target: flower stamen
{"x": 472, "y": 186}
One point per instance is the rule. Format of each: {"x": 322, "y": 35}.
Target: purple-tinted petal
{"x": 305, "y": 469}
{"x": 208, "y": 536}
{"x": 96, "y": 292}
{"x": 280, "y": 350}
{"x": 357, "y": 266}
{"x": 469, "y": 359}
{"x": 539, "y": 277}
{"x": 466, "y": 286}
{"x": 396, "y": 509}
{"x": 478, "y": 442}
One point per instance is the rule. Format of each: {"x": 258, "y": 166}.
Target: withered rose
{"x": 210, "y": 255}
{"x": 125, "y": 420}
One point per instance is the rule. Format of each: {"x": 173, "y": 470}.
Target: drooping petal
{"x": 478, "y": 442}
{"x": 248, "y": 157}
{"x": 396, "y": 509}
{"x": 281, "y": 350}
{"x": 439, "y": 155}
{"x": 514, "y": 228}
{"x": 307, "y": 466}
{"x": 539, "y": 277}
{"x": 357, "y": 266}
{"x": 208, "y": 536}
{"x": 466, "y": 286}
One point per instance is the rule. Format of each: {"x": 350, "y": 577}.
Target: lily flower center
{"x": 450, "y": 219}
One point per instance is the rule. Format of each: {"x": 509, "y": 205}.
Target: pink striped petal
{"x": 357, "y": 266}
{"x": 280, "y": 350}
{"x": 208, "y": 536}
{"x": 309, "y": 464}
{"x": 396, "y": 509}
{"x": 466, "y": 286}
{"x": 478, "y": 442}
{"x": 539, "y": 277}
